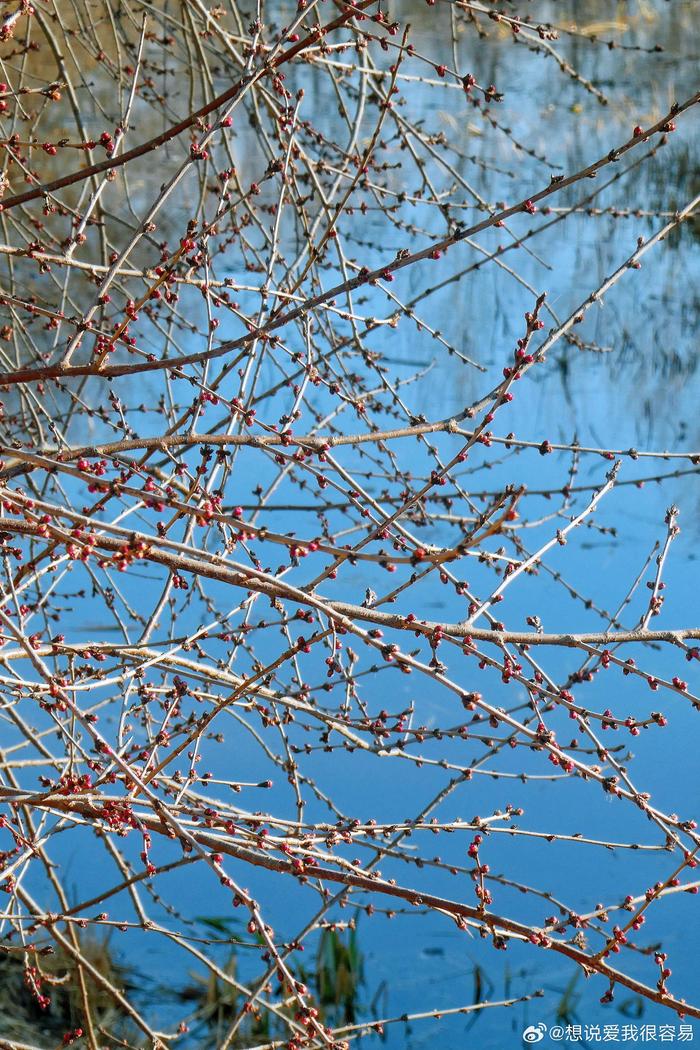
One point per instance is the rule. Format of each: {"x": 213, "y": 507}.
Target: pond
{"x": 624, "y": 378}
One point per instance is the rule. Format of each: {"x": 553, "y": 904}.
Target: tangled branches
{"x": 252, "y": 448}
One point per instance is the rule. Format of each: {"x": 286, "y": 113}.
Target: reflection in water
{"x": 422, "y": 346}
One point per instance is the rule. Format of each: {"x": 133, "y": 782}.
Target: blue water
{"x": 643, "y": 391}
